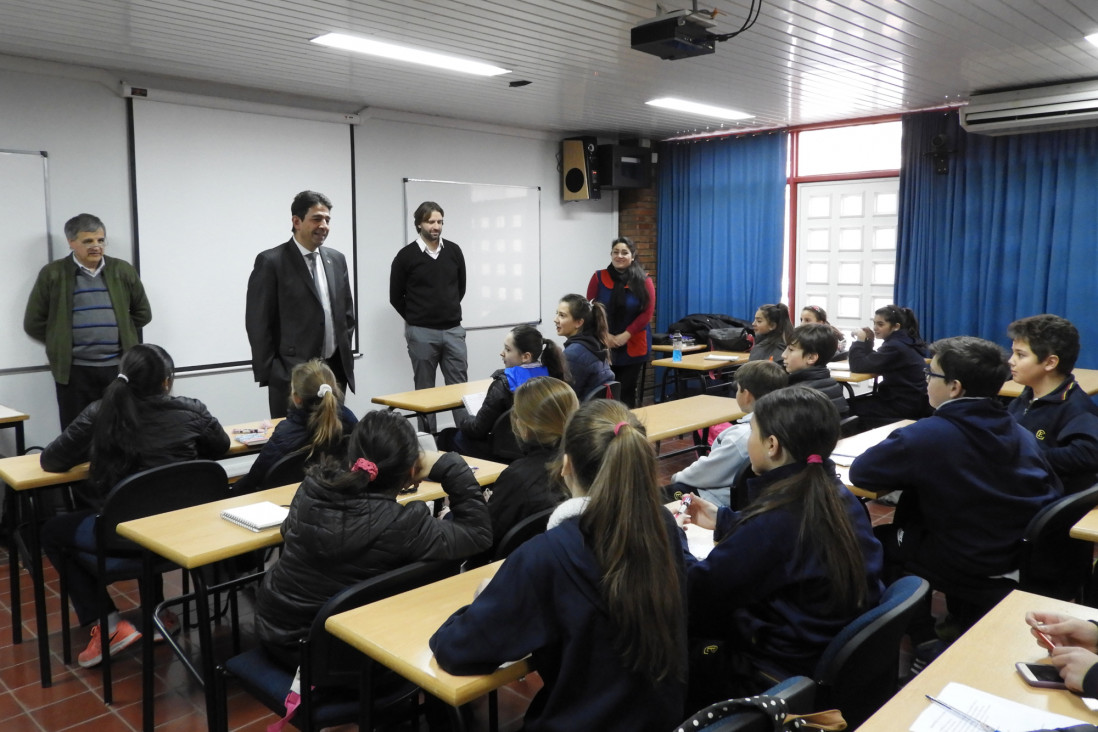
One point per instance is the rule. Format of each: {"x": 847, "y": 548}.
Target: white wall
{"x": 80, "y": 120}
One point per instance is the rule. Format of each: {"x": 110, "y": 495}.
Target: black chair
{"x": 150, "y": 492}
{"x": 1053, "y": 563}
{"x": 528, "y": 528}
{"x": 330, "y": 669}
{"x": 290, "y": 468}
{"x": 609, "y": 390}
{"x": 505, "y": 446}
{"x": 799, "y": 693}
{"x": 859, "y": 670}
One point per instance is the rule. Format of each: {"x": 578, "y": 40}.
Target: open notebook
{"x": 473, "y": 402}
{"x": 257, "y": 516}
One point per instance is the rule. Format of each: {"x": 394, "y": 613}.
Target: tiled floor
{"x": 73, "y": 703}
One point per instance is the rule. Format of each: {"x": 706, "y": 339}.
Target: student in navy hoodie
{"x": 900, "y": 361}
{"x": 597, "y": 599}
{"x": 794, "y": 567}
{"x": 773, "y": 329}
{"x": 584, "y": 325}
{"x": 806, "y": 356}
{"x": 971, "y": 476}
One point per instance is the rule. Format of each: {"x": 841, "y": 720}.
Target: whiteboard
{"x": 498, "y": 228}
{"x": 24, "y": 206}
{"x": 213, "y": 188}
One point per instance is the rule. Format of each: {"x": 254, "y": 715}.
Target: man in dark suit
{"x": 299, "y": 304}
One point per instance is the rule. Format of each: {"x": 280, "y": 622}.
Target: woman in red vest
{"x": 627, "y": 293}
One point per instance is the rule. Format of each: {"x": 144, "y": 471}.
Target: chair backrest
{"x": 158, "y": 490}
{"x": 609, "y": 390}
{"x": 859, "y": 669}
{"x": 290, "y": 468}
{"x": 799, "y": 693}
{"x": 505, "y": 446}
{"x": 528, "y": 528}
{"x": 332, "y": 662}
{"x": 1052, "y": 563}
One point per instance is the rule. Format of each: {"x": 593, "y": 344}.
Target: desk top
{"x": 699, "y": 362}
{"x": 24, "y": 472}
{"x": 679, "y": 416}
{"x": 197, "y": 536}
{"x": 237, "y": 448}
{"x": 685, "y": 349}
{"x": 8, "y": 415}
{"x": 1087, "y": 527}
{"x": 418, "y": 613}
{"x": 1087, "y": 378}
{"x": 839, "y": 373}
{"x": 849, "y": 448}
{"x": 435, "y": 399}
{"x": 984, "y": 659}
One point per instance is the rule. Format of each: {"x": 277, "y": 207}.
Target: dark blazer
{"x": 284, "y": 316}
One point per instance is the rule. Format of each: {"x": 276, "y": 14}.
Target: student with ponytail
{"x": 597, "y": 599}
{"x": 316, "y": 421}
{"x": 525, "y": 354}
{"x": 773, "y": 331}
{"x": 584, "y": 324}
{"x": 137, "y": 425}
{"x": 346, "y": 526}
{"x": 796, "y": 565}
{"x": 900, "y": 361}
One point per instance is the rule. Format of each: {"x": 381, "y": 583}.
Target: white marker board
{"x": 498, "y": 228}
{"x": 24, "y": 206}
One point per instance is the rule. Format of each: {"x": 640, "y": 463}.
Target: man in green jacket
{"x": 87, "y": 310}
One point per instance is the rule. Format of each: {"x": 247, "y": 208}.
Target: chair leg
{"x": 186, "y": 605}
{"x": 66, "y": 629}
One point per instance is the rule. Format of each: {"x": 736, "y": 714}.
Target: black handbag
{"x": 776, "y": 710}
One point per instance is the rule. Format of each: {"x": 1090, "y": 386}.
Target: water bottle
{"x": 676, "y": 347}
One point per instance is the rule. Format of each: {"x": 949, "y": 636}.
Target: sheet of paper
{"x": 473, "y": 402}
{"x": 1002, "y": 714}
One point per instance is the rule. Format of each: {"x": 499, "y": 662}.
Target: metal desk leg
{"x": 148, "y": 579}
{"x": 205, "y": 643}
{"x": 20, "y": 439}
{"x": 11, "y": 521}
{"x": 34, "y": 566}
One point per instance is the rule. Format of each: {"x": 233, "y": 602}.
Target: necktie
{"x": 325, "y": 301}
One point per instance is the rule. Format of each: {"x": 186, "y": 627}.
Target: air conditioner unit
{"x": 1062, "y": 107}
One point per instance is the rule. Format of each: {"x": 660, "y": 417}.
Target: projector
{"x": 680, "y": 34}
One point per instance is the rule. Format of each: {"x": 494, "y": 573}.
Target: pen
{"x": 685, "y": 505}
{"x": 964, "y": 715}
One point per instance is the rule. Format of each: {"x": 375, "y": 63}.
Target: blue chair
{"x": 799, "y": 693}
{"x": 859, "y": 670}
{"x": 1052, "y": 563}
{"x": 330, "y": 669}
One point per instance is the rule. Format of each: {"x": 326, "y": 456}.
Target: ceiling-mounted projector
{"x": 679, "y": 34}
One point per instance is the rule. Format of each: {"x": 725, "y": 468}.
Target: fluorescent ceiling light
{"x": 1093, "y": 38}
{"x": 408, "y": 54}
{"x": 705, "y": 110}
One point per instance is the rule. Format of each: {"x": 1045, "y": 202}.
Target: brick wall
{"x": 637, "y": 220}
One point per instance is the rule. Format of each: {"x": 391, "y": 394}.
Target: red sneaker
{"x": 124, "y": 635}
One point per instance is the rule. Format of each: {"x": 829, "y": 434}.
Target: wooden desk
{"x": 984, "y": 659}
{"x": 14, "y": 419}
{"x": 685, "y": 349}
{"x": 435, "y": 399}
{"x": 849, "y": 448}
{"x": 696, "y": 365}
{"x": 419, "y": 613}
{"x": 1087, "y": 378}
{"x": 196, "y": 537}
{"x": 680, "y": 416}
{"x": 1087, "y": 527}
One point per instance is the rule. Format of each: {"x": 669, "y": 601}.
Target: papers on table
{"x": 1002, "y": 714}
{"x": 714, "y": 357}
{"x": 839, "y": 366}
{"x": 253, "y": 438}
{"x": 844, "y": 460}
{"x": 238, "y": 465}
{"x": 473, "y": 402}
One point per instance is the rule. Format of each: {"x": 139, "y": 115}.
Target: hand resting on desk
{"x": 1074, "y": 641}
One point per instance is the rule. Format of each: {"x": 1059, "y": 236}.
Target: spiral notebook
{"x": 257, "y": 516}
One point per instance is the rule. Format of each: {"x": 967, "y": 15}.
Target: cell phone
{"x": 1040, "y": 675}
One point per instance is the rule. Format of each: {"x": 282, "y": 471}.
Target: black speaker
{"x": 580, "y": 169}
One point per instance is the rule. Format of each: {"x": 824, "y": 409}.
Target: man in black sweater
{"x": 426, "y": 286}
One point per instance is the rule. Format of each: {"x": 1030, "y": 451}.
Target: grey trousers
{"x": 429, "y": 349}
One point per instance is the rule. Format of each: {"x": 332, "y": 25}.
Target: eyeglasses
{"x": 931, "y": 375}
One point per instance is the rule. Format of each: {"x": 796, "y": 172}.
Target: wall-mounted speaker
{"x": 622, "y": 166}
{"x": 579, "y": 169}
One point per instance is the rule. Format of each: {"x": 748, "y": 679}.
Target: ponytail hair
{"x": 528, "y": 339}
{"x": 778, "y": 316}
{"x": 323, "y": 405}
{"x": 806, "y": 425}
{"x": 593, "y": 315}
{"x": 118, "y": 440}
{"x": 385, "y": 439}
{"x": 635, "y": 275}
{"x": 903, "y": 317}
{"x": 624, "y": 523}
{"x": 541, "y": 410}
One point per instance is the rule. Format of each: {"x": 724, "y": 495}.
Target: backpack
{"x": 700, "y": 324}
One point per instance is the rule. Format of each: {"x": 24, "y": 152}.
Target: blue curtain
{"x": 721, "y": 212}
{"x": 1008, "y": 232}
